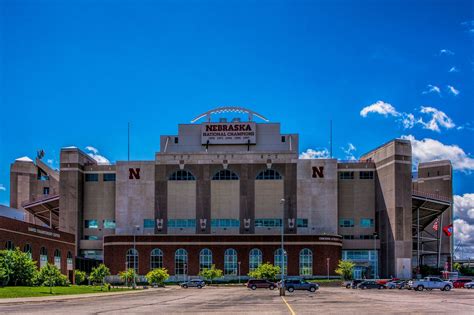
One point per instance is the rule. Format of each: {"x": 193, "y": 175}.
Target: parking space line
{"x": 288, "y": 305}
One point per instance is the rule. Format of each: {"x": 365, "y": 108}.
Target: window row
{"x": 221, "y": 223}
{"x": 94, "y": 177}
{"x": 230, "y": 260}
{"x": 362, "y": 175}
{"x": 94, "y": 224}
{"x": 358, "y": 237}
{"x": 364, "y": 222}
{"x": 268, "y": 174}
{"x": 43, "y": 253}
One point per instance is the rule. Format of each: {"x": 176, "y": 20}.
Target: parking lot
{"x": 239, "y": 300}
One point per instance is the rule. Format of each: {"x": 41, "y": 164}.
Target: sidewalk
{"x": 76, "y": 296}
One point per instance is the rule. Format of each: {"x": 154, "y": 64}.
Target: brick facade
{"x": 322, "y": 247}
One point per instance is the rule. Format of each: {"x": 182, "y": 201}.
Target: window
{"x": 148, "y": 224}
{"x": 92, "y": 177}
{"x": 180, "y": 262}
{"x": 277, "y": 260}
{"x": 132, "y": 259}
{"x": 346, "y": 222}
{"x": 109, "y": 177}
{"x": 255, "y": 259}
{"x": 45, "y": 190}
{"x": 182, "y": 175}
{"x": 69, "y": 263}
{"x": 230, "y": 262}
{"x": 268, "y": 174}
{"x": 27, "y": 249}
{"x": 43, "y": 256}
{"x": 267, "y": 222}
{"x": 91, "y": 237}
{"x": 306, "y": 262}
{"x": 109, "y": 224}
{"x": 182, "y": 223}
{"x": 156, "y": 259}
{"x": 348, "y": 237}
{"x": 366, "y": 237}
{"x": 346, "y": 175}
{"x": 176, "y": 139}
{"x": 283, "y": 138}
{"x": 205, "y": 259}
{"x": 225, "y": 175}
{"x": 91, "y": 224}
{"x": 302, "y": 223}
{"x": 224, "y": 223}
{"x": 57, "y": 258}
{"x": 366, "y": 175}
{"x": 9, "y": 245}
{"x": 366, "y": 223}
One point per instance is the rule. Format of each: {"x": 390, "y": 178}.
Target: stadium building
{"x": 220, "y": 192}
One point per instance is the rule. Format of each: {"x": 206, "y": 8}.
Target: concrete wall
{"x": 317, "y": 197}
{"x": 225, "y": 199}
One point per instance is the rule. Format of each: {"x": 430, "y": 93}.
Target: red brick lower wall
{"x": 18, "y": 232}
{"x": 116, "y": 247}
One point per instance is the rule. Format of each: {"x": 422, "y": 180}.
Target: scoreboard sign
{"x": 228, "y": 133}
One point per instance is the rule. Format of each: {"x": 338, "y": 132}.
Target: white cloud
{"x": 432, "y": 89}
{"x": 315, "y": 154}
{"x": 446, "y": 52}
{"x": 464, "y": 222}
{"x": 438, "y": 118}
{"x": 427, "y": 149}
{"x": 453, "y": 90}
{"x": 408, "y": 121}
{"x": 454, "y": 69}
{"x": 349, "y": 151}
{"x": 94, "y": 153}
{"x": 2, "y": 187}
{"x": 381, "y": 108}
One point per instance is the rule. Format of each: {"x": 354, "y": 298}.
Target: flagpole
{"x": 440, "y": 227}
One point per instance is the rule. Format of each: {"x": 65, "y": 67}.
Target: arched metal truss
{"x": 229, "y": 109}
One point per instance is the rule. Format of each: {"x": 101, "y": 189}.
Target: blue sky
{"x": 75, "y": 72}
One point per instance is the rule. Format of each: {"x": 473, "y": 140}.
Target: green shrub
{"x": 16, "y": 268}
{"x": 99, "y": 273}
{"x": 49, "y": 275}
{"x": 157, "y": 276}
{"x": 80, "y": 276}
{"x": 345, "y": 269}
{"x": 128, "y": 276}
{"x": 265, "y": 271}
{"x": 211, "y": 274}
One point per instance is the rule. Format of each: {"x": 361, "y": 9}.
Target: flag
{"x": 435, "y": 224}
{"x": 448, "y": 230}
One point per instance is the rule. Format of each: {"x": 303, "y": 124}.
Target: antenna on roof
{"x": 330, "y": 138}
{"x": 40, "y": 154}
{"x": 128, "y": 151}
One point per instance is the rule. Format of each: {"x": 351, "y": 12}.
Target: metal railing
{"x": 435, "y": 196}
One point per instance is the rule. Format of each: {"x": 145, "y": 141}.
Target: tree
{"x": 211, "y": 274}
{"x": 265, "y": 271}
{"x": 128, "y": 276}
{"x": 345, "y": 269}
{"x": 99, "y": 273}
{"x": 17, "y": 267}
{"x": 79, "y": 276}
{"x": 157, "y": 276}
{"x": 457, "y": 266}
{"x": 49, "y": 275}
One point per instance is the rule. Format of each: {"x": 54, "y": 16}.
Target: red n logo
{"x": 134, "y": 172}
{"x": 318, "y": 172}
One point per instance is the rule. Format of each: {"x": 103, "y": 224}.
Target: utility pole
{"x": 135, "y": 263}
{"x": 282, "y": 287}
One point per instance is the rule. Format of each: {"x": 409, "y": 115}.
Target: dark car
{"x": 257, "y": 284}
{"x": 459, "y": 283}
{"x": 298, "y": 284}
{"x": 370, "y": 284}
{"x": 196, "y": 283}
{"x": 353, "y": 284}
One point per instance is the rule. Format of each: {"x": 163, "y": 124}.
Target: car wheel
{"x": 185, "y": 286}
{"x": 199, "y": 286}
{"x": 272, "y": 287}
{"x": 419, "y": 288}
{"x": 291, "y": 289}
{"x": 254, "y": 287}
{"x": 348, "y": 286}
{"x": 446, "y": 288}
{"x": 312, "y": 289}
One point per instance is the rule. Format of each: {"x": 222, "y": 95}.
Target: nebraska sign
{"x": 228, "y": 133}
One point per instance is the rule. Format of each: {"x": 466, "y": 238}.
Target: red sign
{"x": 448, "y": 230}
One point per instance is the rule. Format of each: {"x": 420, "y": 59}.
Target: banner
{"x": 436, "y": 224}
{"x": 448, "y": 230}
{"x": 229, "y": 133}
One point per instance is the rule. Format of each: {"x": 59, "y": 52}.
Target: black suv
{"x": 298, "y": 284}
{"x": 260, "y": 283}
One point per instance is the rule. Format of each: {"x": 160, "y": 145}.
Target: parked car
{"x": 430, "y": 283}
{"x": 370, "y": 284}
{"x": 299, "y": 284}
{"x": 353, "y": 284}
{"x": 469, "y": 285}
{"x": 394, "y": 284}
{"x": 403, "y": 284}
{"x": 459, "y": 283}
{"x": 197, "y": 283}
{"x": 257, "y": 283}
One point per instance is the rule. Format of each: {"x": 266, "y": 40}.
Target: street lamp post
{"x": 135, "y": 255}
{"x": 375, "y": 256}
{"x": 126, "y": 273}
{"x": 327, "y": 265}
{"x": 282, "y": 287}
{"x": 239, "y": 271}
